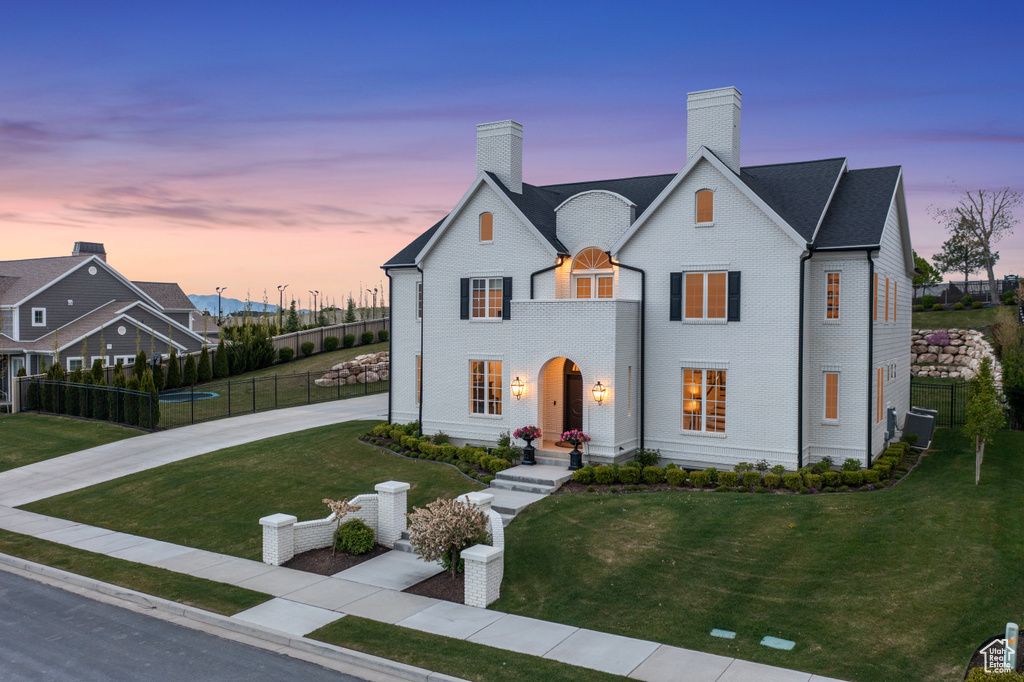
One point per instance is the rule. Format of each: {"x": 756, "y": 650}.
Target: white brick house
{"x": 730, "y": 314}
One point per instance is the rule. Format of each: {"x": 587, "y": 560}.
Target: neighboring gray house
{"x": 615, "y": 306}
{"x": 79, "y": 309}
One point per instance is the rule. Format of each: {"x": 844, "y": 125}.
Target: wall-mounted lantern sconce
{"x": 600, "y": 392}
{"x": 517, "y": 388}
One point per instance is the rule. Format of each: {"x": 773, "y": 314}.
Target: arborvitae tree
{"x": 97, "y": 372}
{"x": 85, "y": 396}
{"x": 204, "y": 372}
{"x": 190, "y": 375}
{"x": 149, "y": 405}
{"x": 350, "y": 312}
{"x": 221, "y": 367}
{"x": 158, "y": 377}
{"x": 173, "y": 378}
{"x": 99, "y": 397}
{"x": 115, "y": 402}
{"x": 131, "y": 402}
{"x": 292, "y": 323}
{"x": 140, "y": 361}
{"x": 236, "y": 358}
{"x": 71, "y": 393}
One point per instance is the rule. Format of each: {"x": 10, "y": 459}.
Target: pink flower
{"x": 527, "y": 433}
{"x": 576, "y": 437}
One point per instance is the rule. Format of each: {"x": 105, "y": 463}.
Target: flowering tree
{"x": 339, "y": 508}
{"x": 444, "y": 528}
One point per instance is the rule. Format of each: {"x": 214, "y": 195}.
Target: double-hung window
{"x": 705, "y": 295}
{"x": 487, "y": 294}
{"x": 39, "y": 317}
{"x": 485, "y": 387}
{"x": 75, "y": 364}
{"x": 832, "y": 296}
{"x": 704, "y": 400}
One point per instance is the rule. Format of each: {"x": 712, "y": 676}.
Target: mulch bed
{"x": 442, "y": 586}
{"x": 322, "y": 562}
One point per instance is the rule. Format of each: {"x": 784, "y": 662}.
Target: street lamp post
{"x": 280, "y": 304}
{"x": 219, "y": 291}
{"x": 315, "y": 294}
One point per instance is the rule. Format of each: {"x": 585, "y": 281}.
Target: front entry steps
{"x": 516, "y": 488}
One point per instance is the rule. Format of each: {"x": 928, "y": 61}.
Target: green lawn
{"x": 955, "y": 319}
{"x": 893, "y": 585}
{"x": 204, "y": 594}
{"x": 27, "y": 438}
{"x": 450, "y": 656}
{"x": 282, "y": 385}
{"x": 214, "y": 502}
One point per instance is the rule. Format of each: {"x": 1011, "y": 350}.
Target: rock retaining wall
{"x": 950, "y": 353}
{"x": 363, "y": 369}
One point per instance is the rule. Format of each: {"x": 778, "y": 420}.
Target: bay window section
{"x": 485, "y": 387}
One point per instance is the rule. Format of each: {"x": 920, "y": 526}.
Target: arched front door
{"x": 573, "y": 402}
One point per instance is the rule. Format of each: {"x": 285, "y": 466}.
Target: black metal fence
{"x": 189, "y": 405}
{"x": 950, "y": 398}
{"x": 91, "y": 401}
{"x": 949, "y": 293}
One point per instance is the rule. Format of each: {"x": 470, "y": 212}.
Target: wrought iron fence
{"x": 949, "y": 399}
{"x": 188, "y": 405}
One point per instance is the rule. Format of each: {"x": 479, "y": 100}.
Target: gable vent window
{"x": 486, "y": 227}
{"x": 705, "y": 207}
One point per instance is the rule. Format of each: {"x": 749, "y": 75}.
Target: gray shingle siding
{"x": 88, "y": 293}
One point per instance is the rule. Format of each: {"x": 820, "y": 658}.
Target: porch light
{"x": 517, "y": 388}
{"x": 600, "y": 392}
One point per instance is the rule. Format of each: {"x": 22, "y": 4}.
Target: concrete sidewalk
{"x": 106, "y": 462}
{"x": 304, "y": 602}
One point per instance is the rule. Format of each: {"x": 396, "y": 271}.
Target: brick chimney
{"x": 85, "y": 249}
{"x": 713, "y": 121}
{"x": 499, "y": 149}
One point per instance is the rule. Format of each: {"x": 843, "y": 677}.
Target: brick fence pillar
{"x": 485, "y": 567}
{"x": 481, "y": 501}
{"x": 278, "y": 538}
{"x": 391, "y": 509}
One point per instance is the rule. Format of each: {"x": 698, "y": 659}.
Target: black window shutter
{"x": 675, "y": 296}
{"x": 506, "y": 298}
{"x": 734, "y": 296}
{"x": 464, "y": 301}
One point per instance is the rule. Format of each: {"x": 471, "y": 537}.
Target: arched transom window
{"x": 705, "y": 206}
{"x": 592, "y": 274}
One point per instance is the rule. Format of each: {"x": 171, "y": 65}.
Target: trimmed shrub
{"x": 700, "y": 479}
{"x": 804, "y": 490}
{"x": 979, "y": 675}
{"x": 652, "y": 475}
{"x": 870, "y": 476}
{"x": 938, "y": 308}
{"x": 977, "y": 304}
{"x": 382, "y": 335}
{"x": 367, "y": 338}
{"x": 307, "y": 348}
{"x": 772, "y": 480}
{"x": 449, "y": 451}
{"x": 629, "y": 475}
{"x": 813, "y": 481}
{"x": 831, "y": 478}
{"x": 909, "y": 439}
{"x": 331, "y": 343}
{"x": 648, "y": 458}
{"x": 928, "y": 300}
{"x": 286, "y": 354}
{"x": 852, "y": 478}
{"x": 634, "y": 465}
{"x": 675, "y": 476}
{"x": 792, "y": 481}
{"x": 409, "y": 442}
{"x": 354, "y": 537}
{"x": 191, "y": 374}
{"x": 439, "y": 438}
{"x": 778, "y": 470}
{"x": 728, "y": 478}
{"x": 584, "y": 475}
{"x": 958, "y": 306}
{"x": 851, "y": 464}
{"x": 967, "y": 300}
{"x": 918, "y": 308}
{"x": 604, "y": 475}
{"x": 751, "y": 478}
{"x": 348, "y": 340}
{"x": 883, "y": 470}
{"x": 743, "y": 467}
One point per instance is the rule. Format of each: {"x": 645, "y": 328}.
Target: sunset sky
{"x": 254, "y": 144}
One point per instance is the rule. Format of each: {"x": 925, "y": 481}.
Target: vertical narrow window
{"x": 629, "y": 391}
{"x": 479, "y": 298}
{"x": 875, "y": 313}
{"x": 832, "y": 296}
{"x": 495, "y": 290}
{"x": 419, "y": 300}
{"x": 717, "y": 295}
{"x": 886, "y": 299}
{"x": 486, "y": 227}
{"x": 894, "y": 299}
{"x": 494, "y": 388}
{"x": 476, "y": 386}
{"x": 714, "y": 395}
{"x": 879, "y": 390}
{"x": 485, "y": 387}
{"x": 705, "y": 206}
{"x": 695, "y": 295}
{"x": 419, "y": 378}
{"x": 831, "y": 395}
{"x": 693, "y": 384}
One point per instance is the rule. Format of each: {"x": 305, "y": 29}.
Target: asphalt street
{"x": 49, "y": 634}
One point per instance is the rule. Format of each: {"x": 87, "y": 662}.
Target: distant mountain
{"x": 227, "y": 305}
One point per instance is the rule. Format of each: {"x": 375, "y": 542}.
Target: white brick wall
{"x": 485, "y": 568}
{"x": 405, "y": 345}
{"x": 713, "y": 121}
{"x": 499, "y": 149}
{"x": 320, "y": 533}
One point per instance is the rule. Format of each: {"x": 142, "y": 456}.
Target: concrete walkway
{"x": 304, "y": 602}
{"x": 106, "y": 462}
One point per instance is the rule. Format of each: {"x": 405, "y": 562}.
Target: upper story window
{"x": 486, "y": 227}
{"x": 487, "y": 296}
{"x": 592, "y": 275}
{"x": 886, "y": 299}
{"x": 706, "y": 295}
{"x": 705, "y": 206}
{"x": 831, "y": 295}
{"x": 39, "y": 317}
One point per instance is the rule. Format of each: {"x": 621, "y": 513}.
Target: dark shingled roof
{"x": 798, "y": 192}
{"x": 857, "y": 214}
{"x": 24, "y": 277}
{"x": 167, "y": 294}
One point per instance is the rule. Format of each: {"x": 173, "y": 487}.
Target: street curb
{"x": 303, "y": 644}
